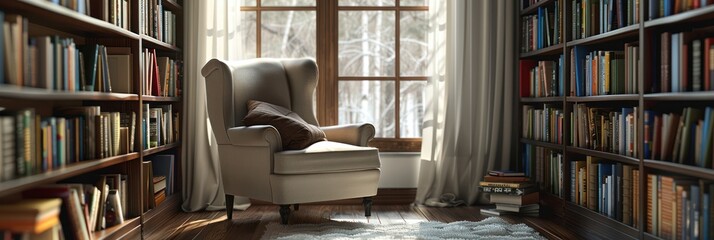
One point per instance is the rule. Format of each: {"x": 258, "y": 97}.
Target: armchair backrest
{"x": 289, "y": 83}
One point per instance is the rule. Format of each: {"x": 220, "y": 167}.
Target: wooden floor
{"x": 250, "y": 224}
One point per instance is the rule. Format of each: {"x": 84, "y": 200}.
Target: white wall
{"x": 399, "y": 170}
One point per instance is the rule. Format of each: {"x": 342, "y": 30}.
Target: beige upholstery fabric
{"x": 325, "y": 157}
{"x": 253, "y": 163}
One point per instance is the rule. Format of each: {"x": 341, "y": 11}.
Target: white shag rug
{"x": 490, "y": 228}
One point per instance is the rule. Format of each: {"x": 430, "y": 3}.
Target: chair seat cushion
{"x": 326, "y": 157}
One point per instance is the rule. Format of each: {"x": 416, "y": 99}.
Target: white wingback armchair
{"x": 253, "y": 163}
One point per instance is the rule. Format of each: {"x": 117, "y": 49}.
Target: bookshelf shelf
{"x": 173, "y": 6}
{"x": 691, "y": 16}
{"x": 148, "y": 98}
{"x": 160, "y": 148}
{"x": 15, "y": 92}
{"x": 605, "y": 155}
{"x": 542, "y": 144}
{"x": 687, "y": 170}
{"x": 117, "y": 231}
{"x": 541, "y": 99}
{"x": 605, "y": 98}
{"x": 614, "y": 35}
{"x": 533, "y": 8}
{"x": 52, "y": 15}
{"x": 547, "y": 51}
{"x": 159, "y": 45}
{"x": 599, "y": 223}
{"x": 71, "y": 170}
{"x": 680, "y": 96}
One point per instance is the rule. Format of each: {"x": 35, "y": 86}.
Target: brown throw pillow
{"x": 295, "y": 133}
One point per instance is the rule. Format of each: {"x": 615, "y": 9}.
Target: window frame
{"x": 327, "y": 16}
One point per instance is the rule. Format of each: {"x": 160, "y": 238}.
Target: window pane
{"x": 412, "y": 3}
{"x": 366, "y": 43}
{"x": 288, "y": 34}
{"x": 287, "y": 3}
{"x": 413, "y": 46}
{"x": 248, "y": 27}
{"x": 368, "y": 101}
{"x": 366, "y": 2}
{"x": 250, "y": 3}
{"x": 411, "y": 108}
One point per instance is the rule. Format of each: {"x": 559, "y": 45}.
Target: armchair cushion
{"x": 326, "y": 157}
{"x": 295, "y": 133}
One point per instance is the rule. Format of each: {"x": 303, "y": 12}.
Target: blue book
{"x": 77, "y": 70}
{"x": 81, "y": 8}
{"x": 540, "y": 29}
{"x": 667, "y": 7}
{"x": 654, "y": 9}
{"x": 694, "y": 216}
{"x": 579, "y": 53}
{"x": 675, "y": 62}
{"x": 706, "y": 216}
{"x": 561, "y": 76}
{"x": 53, "y": 134}
{"x": 706, "y": 138}
{"x": 649, "y": 131}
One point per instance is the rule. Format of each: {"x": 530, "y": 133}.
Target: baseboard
{"x": 385, "y": 196}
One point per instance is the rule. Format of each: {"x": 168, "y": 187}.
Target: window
{"x": 372, "y": 56}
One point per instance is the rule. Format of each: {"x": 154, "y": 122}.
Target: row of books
{"x": 593, "y": 17}
{"x": 542, "y": 78}
{"x": 157, "y": 22}
{"x": 684, "y": 139}
{"x": 116, "y": 12}
{"x": 511, "y": 192}
{"x": 542, "y": 29}
{"x": 686, "y": 63}
{"x": 527, "y": 3}
{"x": 544, "y": 124}
{"x": 604, "y": 72}
{"x": 80, "y": 6}
{"x": 605, "y": 129}
{"x": 78, "y": 208}
{"x": 664, "y": 8}
{"x": 679, "y": 207}
{"x": 542, "y": 165}
{"x": 31, "y": 144}
{"x": 611, "y": 189}
{"x": 161, "y": 125}
{"x": 162, "y": 75}
{"x": 58, "y": 63}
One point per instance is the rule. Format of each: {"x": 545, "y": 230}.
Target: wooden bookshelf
{"x": 47, "y": 19}
{"x": 645, "y": 34}
{"x": 546, "y": 51}
{"x": 604, "y": 98}
{"x": 541, "y": 99}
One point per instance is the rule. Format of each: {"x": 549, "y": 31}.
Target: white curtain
{"x": 212, "y": 31}
{"x": 468, "y": 126}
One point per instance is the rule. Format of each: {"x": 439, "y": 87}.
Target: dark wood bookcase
{"x": 46, "y": 18}
{"x": 581, "y": 218}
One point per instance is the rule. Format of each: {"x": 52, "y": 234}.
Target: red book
{"x": 524, "y": 72}
{"x": 156, "y": 89}
{"x": 708, "y": 69}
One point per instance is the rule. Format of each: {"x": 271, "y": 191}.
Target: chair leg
{"x": 367, "y": 202}
{"x": 229, "y": 206}
{"x": 284, "y": 213}
{"x": 296, "y": 207}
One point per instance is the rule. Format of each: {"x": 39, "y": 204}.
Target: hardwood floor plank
{"x": 250, "y": 224}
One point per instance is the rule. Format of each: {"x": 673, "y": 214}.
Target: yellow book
{"x": 36, "y": 215}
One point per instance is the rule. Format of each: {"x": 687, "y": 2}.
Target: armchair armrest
{"x": 256, "y": 136}
{"x": 355, "y": 134}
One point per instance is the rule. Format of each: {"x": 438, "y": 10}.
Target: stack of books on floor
{"x": 512, "y": 192}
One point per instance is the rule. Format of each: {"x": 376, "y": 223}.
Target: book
{"x": 120, "y": 72}
{"x": 30, "y": 215}
{"x": 507, "y": 190}
{"x": 490, "y": 178}
{"x": 505, "y": 173}
{"x": 494, "y": 212}
{"x": 72, "y": 218}
{"x": 507, "y": 185}
{"x": 518, "y": 208}
{"x": 530, "y": 198}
